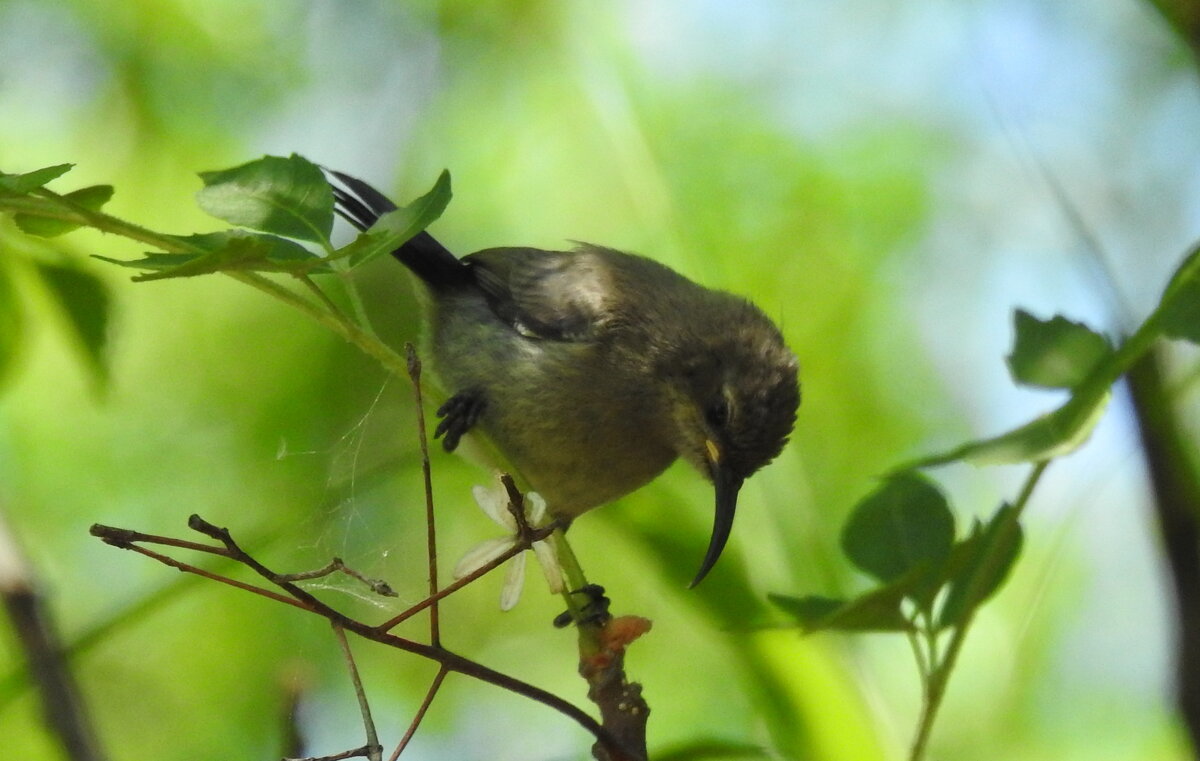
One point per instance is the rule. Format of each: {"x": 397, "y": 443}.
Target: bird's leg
{"x": 459, "y": 414}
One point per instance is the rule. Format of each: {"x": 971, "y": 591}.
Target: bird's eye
{"x": 717, "y": 413}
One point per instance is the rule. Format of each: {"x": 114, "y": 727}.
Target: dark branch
{"x": 1176, "y": 482}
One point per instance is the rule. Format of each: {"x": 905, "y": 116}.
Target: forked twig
{"x": 304, "y": 600}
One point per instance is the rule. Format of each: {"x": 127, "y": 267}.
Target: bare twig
{"x": 416, "y": 722}
{"x": 374, "y": 749}
{"x": 414, "y": 373}
{"x": 300, "y": 598}
{"x": 337, "y": 565}
{"x": 535, "y": 535}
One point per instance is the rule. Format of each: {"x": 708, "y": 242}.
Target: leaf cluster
{"x": 903, "y": 534}
{"x": 282, "y": 210}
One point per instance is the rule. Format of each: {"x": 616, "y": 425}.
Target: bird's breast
{"x": 581, "y": 421}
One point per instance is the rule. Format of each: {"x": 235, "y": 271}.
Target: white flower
{"x": 494, "y": 502}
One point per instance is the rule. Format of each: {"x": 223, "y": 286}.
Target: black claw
{"x": 594, "y": 611}
{"x": 459, "y": 415}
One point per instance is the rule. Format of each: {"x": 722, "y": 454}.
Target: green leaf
{"x": 21, "y": 184}
{"x": 93, "y": 198}
{"x": 981, "y": 563}
{"x": 877, "y": 610}
{"x": 1181, "y": 300}
{"x": 284, "y": 196}
{"x": 396, "y": 227}
{"x": 83, "y": 301}
{"x": 229, "y": 250}
{"x": 1052, "y": 435}
{"x": 903, "y": 527}
{"x": 809, "y": 611}
{"x": 1055, "y": 353}
{"x": 12, "y": 323}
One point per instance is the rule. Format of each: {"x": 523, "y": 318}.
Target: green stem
{"x": 572, "y": 571}
{"x": 323, "y": 297}
{"x": 356, "y": 303}
{"x": 371, "y": 345}
{"x": 50, "y": 205}
{"x": 935, "y": 688}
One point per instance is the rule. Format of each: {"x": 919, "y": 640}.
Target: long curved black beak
{"x": 726, "y": 485}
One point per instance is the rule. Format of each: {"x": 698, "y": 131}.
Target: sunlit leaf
{"x": 396, "y": 227}
{"x": 283, "y": 196}
{"x": 23, "y": 183}
{"x": 83, "y": 301}
{"x": 981, "y": 563}
{"x": 93, "y": 198}
{"x": 1181, "y": 300}
{"x": 231, "y": 250}
{"x": 904, "y": 525}
{"x": 1055, "y": 353}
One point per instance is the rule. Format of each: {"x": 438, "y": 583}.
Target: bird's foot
{"x": 593, "y": 612}
{"x": 459, "y": 414}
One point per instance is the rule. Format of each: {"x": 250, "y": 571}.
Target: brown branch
{"x": 300, "y": 598}
{"x": 374, "y": 749}
{"x": 414, "y": 373}
{"x": 603, "y": 640}
{"x": 337, "y": 565}
{"x": 430, "y": 694}
{"x": 62, "y": 704}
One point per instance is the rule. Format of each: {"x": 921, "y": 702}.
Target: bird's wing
{"x": 555, "y": 295}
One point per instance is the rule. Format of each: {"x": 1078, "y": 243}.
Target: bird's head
{"x": 734, "y": 391}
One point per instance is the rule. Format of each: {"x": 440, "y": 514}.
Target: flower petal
{"x": 535, "y": 509}
{"x": 494, "y": 502}
{"x": 482, "y": 554}
{"x": 513, "y": 581}
{"x": 547, "y": 557}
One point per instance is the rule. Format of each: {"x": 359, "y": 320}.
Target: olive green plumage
{"x": 592, "y": 370}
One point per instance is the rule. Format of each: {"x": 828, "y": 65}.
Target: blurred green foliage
{"x": 559, "y": 121}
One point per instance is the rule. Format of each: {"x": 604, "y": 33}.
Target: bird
{"x": 591, "y": 370}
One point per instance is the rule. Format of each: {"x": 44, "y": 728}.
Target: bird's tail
{"x": 362, "y": 205}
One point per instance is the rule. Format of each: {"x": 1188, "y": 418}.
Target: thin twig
{"x": 414, "y": 372}
{"x": 323, "y": 297}
{"x": 337, "y": 565}
{"x": 424, "y": 708}
{"x": 536, "y": 535}
{"x": 124, "y": 539}
{"x": 914, "y": 640}
{"x": 374, "y": 749}
{"x": 306, "y": 601}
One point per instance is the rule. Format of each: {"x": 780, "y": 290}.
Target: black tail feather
{"x": 362, "y": 205}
